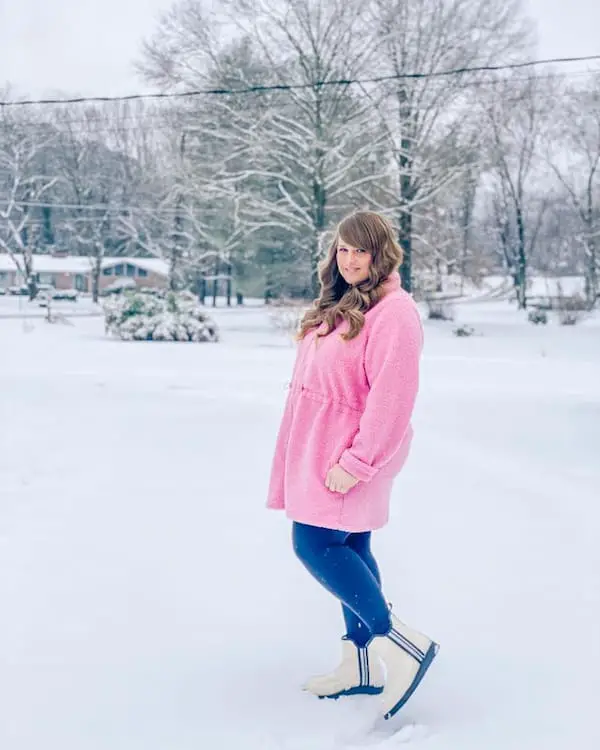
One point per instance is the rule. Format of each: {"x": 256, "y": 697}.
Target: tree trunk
{"x": 315, "y": 284}
{"x": 319, "y": 201}
{"x": 320, "y": 204}
{"x": 406, "y": 245}
{"x": 591, "y": 276}
{"x": 48, "y": 230}
{"x": 406, "y": 189}
{"x": 521, "y": 260}
{"x": 29, "y": 275}
{"x": 215, "y": 282}
{"x": 177, "y": 250}
{"x": 468, "y": 207}
{"x": 32, "y": 287}
{"x": 96, "y": 270}
{"x": 591, "y": 264}
{"x": 173, "y": 269}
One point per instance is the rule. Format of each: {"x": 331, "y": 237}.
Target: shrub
{"x": 439, "y": 310}
{"x": 463, "y": 330}
{"x": 568, "y": 317}
{"x": 170, "y": 316}
{"x": 538, "y": 317}
{"x": 571, "y": 309}
{"x": 286, "y": 315}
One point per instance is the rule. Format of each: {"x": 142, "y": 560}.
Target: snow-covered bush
{"x": 568, "y": 317}
{"x": 170, "y": 316}
{"x": 463, "y": 330}
{"x": 571, "y": 309}
{"x": 287, "y": 316}
{"x": 439, "y": 309}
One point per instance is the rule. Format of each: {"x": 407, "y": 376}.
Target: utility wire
{"x": 83, "y": 206}
{"x": 116, "y": 211}
{"x": 259, "y": 88}
{"x": 155, "y": 120}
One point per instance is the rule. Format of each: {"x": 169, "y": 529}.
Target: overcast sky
{"x": 86, "y": 47}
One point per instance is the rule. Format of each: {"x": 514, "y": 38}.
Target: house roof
{"x": 83, "y": 263}
{"x": 156, "y": 265}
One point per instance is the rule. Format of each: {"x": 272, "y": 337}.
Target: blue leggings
{"x": 344, "y": 564}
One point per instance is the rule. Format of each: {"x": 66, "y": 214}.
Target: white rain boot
{"x": 407, "y": 655}
{"x": 360, "y": 673}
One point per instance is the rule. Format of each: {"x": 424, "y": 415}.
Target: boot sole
{"x": 365, "y": 690}
{"x": 425, "y": 664}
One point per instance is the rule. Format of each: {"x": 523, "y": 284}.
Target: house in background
{"x": 145, "y": 272}
{"x": 74, "y": 272}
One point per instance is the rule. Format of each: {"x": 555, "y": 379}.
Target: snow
{"x": 21, "y": 307}
{"x": 150, "y": 602}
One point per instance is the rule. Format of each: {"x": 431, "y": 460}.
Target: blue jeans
{"x": 344, "y": 564}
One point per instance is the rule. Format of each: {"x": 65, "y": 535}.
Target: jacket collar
{"x": 392, "y": 283}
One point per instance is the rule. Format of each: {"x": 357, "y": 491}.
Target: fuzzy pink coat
{"x": 350, "y": 402}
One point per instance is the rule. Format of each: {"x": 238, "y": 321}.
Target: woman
{"x": 344, "y": 436}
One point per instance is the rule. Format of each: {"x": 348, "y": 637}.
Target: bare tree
{"x": 297, "y": 156}
{"x": 514, "y": 113}
{"x": 104, "y": 164}
{"x": 555, "y": 252}
{"x": 465, "y": 216}
{"x": 429, "y": 115}
{"x": 573, "y": 153}
{"x": 189, "y": 218}
{"x": 24, "y": 182}
{"x": 444, "y": 231}
{"x": 317, "y": 142}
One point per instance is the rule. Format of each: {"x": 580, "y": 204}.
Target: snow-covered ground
{"x": 148, "y": 601}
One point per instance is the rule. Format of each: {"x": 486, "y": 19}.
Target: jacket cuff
{"x": 359, "y": 469}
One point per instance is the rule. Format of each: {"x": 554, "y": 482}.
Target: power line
{"x": 108, "y": 207}
{"x": 132, "y": 122}
{"x": 263, "y": 88}
{"x": 154, "y": 120}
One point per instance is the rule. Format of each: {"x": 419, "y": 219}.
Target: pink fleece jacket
{"x": 349, "y": 402}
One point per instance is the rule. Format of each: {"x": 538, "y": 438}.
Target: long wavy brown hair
{"x": 338, "y": 300}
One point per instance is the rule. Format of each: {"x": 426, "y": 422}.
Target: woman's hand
{"x": 338, "y": 480}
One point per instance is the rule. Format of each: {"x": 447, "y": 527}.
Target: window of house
{"x": 142, "y": 272}
{"x": 130, "y": 270}
{"x": 119, "y": 269}
{"x": 108, "y": 271}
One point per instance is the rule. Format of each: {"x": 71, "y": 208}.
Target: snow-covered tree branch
{"x": 24, "y": 181}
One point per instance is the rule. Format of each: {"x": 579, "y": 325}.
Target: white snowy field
{"x": 149, "y": 601}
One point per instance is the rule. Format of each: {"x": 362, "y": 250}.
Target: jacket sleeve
{"x": 392, "y": 357}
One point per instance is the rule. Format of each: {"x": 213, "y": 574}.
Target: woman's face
{"x": 353, "y": 262}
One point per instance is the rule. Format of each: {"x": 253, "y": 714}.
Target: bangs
{"x": 359, "y": 234}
